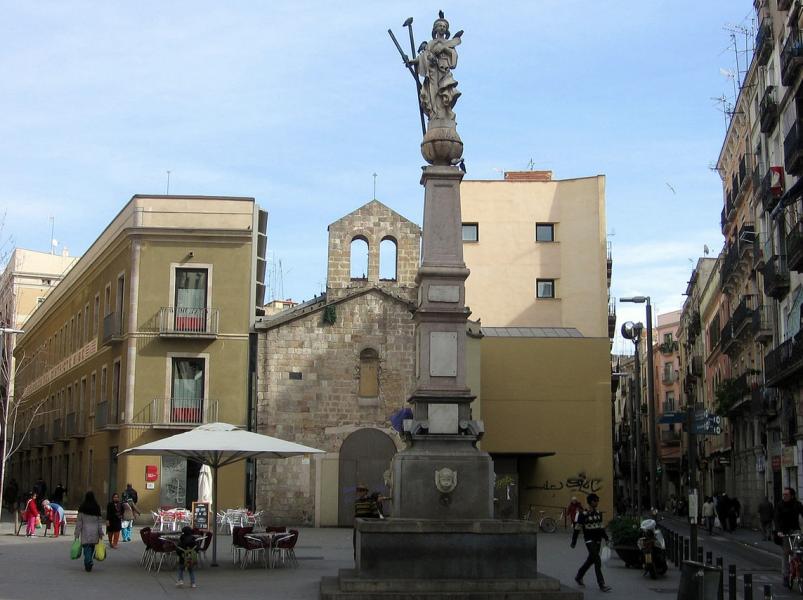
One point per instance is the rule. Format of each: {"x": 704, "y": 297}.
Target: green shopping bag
{"x": 75, "y": 549}
{"x": 100, "y": 551}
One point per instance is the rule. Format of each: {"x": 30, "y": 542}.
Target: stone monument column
{"x": 441, "y": 537}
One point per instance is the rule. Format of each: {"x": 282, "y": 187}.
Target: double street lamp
{"x": 650, "y": 395}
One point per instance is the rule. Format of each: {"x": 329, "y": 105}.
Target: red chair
{"x": 145, "y": 535}
{"x": 284, "y": 549}
{"x": 238, "y": 534}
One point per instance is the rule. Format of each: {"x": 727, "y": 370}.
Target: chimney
{"x": 528, "y": 175}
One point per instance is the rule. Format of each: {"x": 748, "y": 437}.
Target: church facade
{"x": 333, "y": 370}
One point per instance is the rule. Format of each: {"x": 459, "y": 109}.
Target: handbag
{"x": 605, "y": 552}
{"x": 38, "y": 522}
{"x": 75, "y": 549}
{"x": 100, "y": 551}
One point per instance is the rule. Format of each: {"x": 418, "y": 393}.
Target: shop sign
{"x": 151, "y": 472}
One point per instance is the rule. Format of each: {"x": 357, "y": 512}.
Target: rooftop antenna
{"x": 531, "y": 164}
{"x": 167, "y": 190}
{"x": 725, "y": 106}
{"x": 374, "y": 186}
{"x": 706, "y": 249}
{"x": 53, "y": 242}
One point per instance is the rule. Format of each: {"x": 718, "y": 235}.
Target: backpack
{"x": 190, "y": 557}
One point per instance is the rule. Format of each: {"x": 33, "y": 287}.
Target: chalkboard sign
{"x": 200, "y": 515}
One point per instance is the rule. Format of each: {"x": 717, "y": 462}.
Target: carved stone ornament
{"x": 445, "y": 480}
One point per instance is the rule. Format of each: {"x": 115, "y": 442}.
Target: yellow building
{"x": 146, "y": 336}
{"x": 540, "y": 275}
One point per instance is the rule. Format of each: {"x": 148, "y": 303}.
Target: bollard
{"x": 674, "y": 555}
{"x": 709, "y": 558}
{"x": 731, "y": 582}
{"x": 721, "y": 591}
{"x": 748, "y": 586}
{"x": 767, "y": 591}
{"x": 699, "y": 554}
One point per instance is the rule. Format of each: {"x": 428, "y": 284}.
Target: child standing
{"x": 187, "y": 551}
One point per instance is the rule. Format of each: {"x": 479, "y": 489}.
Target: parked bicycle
{"x": 546, "y": 523}
{"x": 794, "y": 542}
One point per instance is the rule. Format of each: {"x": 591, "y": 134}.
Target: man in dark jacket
{"x": 766, "y": 512}
{"x": 787, "y": 519}
{"x": 590, "y": 521}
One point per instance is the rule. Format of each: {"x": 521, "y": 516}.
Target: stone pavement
{"x": 41, "y": 567}
{"x": 747, "y": 537}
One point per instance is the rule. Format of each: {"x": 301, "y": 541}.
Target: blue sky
{"x": 298, "y": 103}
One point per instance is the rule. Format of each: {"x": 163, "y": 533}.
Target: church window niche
{"x": 359, "y": 258}
{"x": 388, "y": 266}
{"x": 369, "y": 374}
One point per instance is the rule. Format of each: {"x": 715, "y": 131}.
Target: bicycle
{"x": 546, "y": 523}
{"x": 794, "y": 543}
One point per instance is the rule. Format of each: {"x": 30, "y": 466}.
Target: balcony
{"x": 611, "y": 319}
{"x": 784, "y": 362}
{"x": 791, "y": 57}
{"x": 743, "y": 315}
{"x": 764, "y": 41}
{"x": 668, "y": 407}
{"x": 177, "y": 411}
{"x": 112, "y": 328}
{"x": 794, "y": 247}
{"x": 768, "y": 110}
{"x": 101, "y": 415}
{"x": 668, "y": 347}
{"x": 793, "y": 150}
{"x": 696, "y": 366}
{"x": 670, "y": 438}
{"x": 57, "y": 432}
{"x": 75, "y": 425}
{"x": 669, "y": 377}
{"x": 762, "y": 324}
{"x": 192, "y": 323}
{"x": 768, "y": 194}
{"x": 730, "y": 262}
{"x": 776, "y": 277}
{"x": 727, "y": 211}
{"x": 746, "y": 239}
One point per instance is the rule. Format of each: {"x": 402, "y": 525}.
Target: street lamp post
{"x": 650, "y": 395}
{"x": 632, "y": 331}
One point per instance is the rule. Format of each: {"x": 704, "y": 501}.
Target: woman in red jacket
{"x": 31, "y": 514}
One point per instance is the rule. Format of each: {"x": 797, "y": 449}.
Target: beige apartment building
{"x": 539, "y": 283}
{"x": 146, "y": 336}
{"x": 543, "y": 243}
{"x": 28, "y": 278}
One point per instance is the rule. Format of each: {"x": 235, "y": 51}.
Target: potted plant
{"x": 624, "y": 533}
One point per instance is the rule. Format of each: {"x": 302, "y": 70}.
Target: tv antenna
{"x": 531, "y": 164}
{"x": 167, "y": 190}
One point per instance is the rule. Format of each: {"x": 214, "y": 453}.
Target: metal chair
{"x": 283, "y": 549}
{"x": 253, "y": 547}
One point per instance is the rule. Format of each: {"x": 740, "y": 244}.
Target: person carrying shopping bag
{"x": 89, "y": 527}
{"x": 130, "y": 512}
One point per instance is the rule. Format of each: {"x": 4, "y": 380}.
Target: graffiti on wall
{"x": 578, "y": 484}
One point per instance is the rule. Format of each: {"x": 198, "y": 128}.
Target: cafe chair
{"x": 238, "y": 543}
{"x": 145, "y": 535}
{"x": 254, "y": 547}
{"x": 162, "y": 549}
{"x": 283, "y": 551}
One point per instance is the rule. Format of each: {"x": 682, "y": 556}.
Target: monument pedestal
{"x": 422, "y": 559}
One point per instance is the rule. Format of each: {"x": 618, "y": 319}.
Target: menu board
{"x": 200, "y": 515}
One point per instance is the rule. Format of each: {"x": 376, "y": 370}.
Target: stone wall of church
{"x": 373, "y": 223}
{"x": 319, "y": 405}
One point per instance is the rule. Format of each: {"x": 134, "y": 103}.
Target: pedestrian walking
{"x": 58, "y": 494}
{"x": 31, "y": 514}
{"x": 766, "y": 512}
{"x": 130, "y": 494}
{"x": 787, "y": 519}
{"x": 187, "y": 552}
{"x": 365, "y": 507}
{"x": 590, "y": 521}
{"x": 708, "y": 514}
{"x": 89, "y": 527}
{"x": 114, "y": 520}
{"x": 130, "y": 512}
{"x": 574, "y": 507}
{"x": 734, "y": 513}
{"x": 723, "y": 510}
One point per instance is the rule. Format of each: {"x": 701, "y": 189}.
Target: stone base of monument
{"x": 415, "y": 559}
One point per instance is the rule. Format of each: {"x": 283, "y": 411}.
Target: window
{"x": 190, "y": 300}
{"x": 544, "y": 232}
{"x": 667, "y": 338}
{"x": 358, "y": 265}
{"x": 104, "y": 382}
{"x": 107, "y": 300}
{"x": 296, "y": 375}
{"x": 187, "y": 395}
{"x": 369, "y": 374}
{"x": 81, "y": 408}
{"x": 115, "y": 408}
{"x": 96, "y": 320}
{"x": 93, "y": 391}
{"x": 86, "y": 324}
{"x": 670, "y": 402}
{"x": 471, "y": 232}
{"x": 667, "y": 372}
{"x": 387, "y": 259}
{"x": 545, "y": 288}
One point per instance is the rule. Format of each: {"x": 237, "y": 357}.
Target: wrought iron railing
{"x": 177, "y": 411}
{"x": 188, "y": 322}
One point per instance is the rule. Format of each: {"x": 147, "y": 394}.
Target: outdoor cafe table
{"x": 268, "y": 538}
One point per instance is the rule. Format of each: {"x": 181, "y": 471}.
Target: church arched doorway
{"x": 364, "y": 458}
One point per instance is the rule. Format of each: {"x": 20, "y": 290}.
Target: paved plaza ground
{"x": 41, "y": 568}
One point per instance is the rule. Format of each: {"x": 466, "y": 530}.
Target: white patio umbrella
{"x": 205, "y": 484}
{"x": 218, "y": 445}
